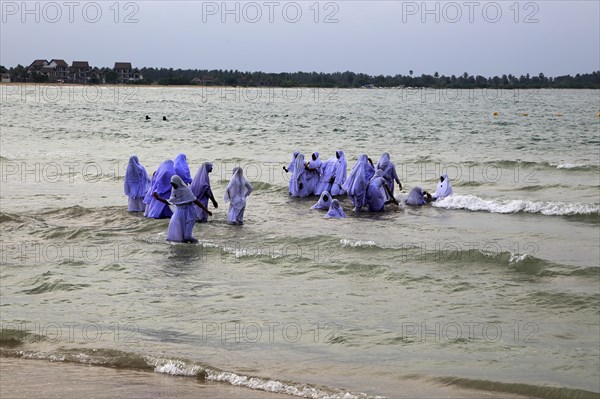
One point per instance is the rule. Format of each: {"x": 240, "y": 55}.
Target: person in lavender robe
{"x": 356, "y": 183}
{"x": 335, "y": 211}
{"x": 324, "y": 201}
{"x": 236, "y": 193}
{"x": 418, "y": 197}
{"x": 339, "y": 177}
{"x": 313, "y": 168}
{"x": 444, "y": 189}
{"x": 181, "y": 225}
{"x": 182, "y": 168}
{"x": 389, "y": 173}
{"x": 377, "y": 191}
{"x": 201, "y": 188}
{"x": 290, "y": 169}
{"x": 159, "y": 191}
{"x": 300, "y": 179}
{"x": 136, "y": 185}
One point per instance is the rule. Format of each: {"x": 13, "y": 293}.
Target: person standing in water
{"x": 389, "y": 174}
{"x": 236, "y": 193}
{"x": 290, "y": 169}
{"x": 300, "y": 178}
{"x": 159, "y": 190}
{"x": 201, "y": 188}
{"x": 444, "y": 189}
{"x": 339, "y": 175}
{"x": 182, "y": 169}
{"x": 356, "y": 184}
{"x": 181, "y": 225}
{"x": 313, "y": 168}
{"x": 136, "y": 184}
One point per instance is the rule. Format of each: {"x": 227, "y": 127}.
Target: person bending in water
{"x": 418, "y": 197}
{"x": 324, "y": 201}
{"x": 375, "y": 193}
{"x": 335, "y": 211}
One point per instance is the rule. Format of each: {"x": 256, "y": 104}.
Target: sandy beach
{"x": 42, "y": 379}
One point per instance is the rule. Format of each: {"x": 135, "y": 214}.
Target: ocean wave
{"x": 290, "y": 388}
{"x": 529, "y": 390}
{"x": 354, "y": 244}
{"x": 531, "y": 165}
{"x": 549, "y": 208}
{"x": 54, "y": 285}
{"x": 176, "y": 367}
{"x": 450, "y": 253}
{"x": 578, "y": 166}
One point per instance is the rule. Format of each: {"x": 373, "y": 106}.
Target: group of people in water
{"x": 367, "y": 185}
{"x": 172, "y": 185}
{"x": 172, "y": 193}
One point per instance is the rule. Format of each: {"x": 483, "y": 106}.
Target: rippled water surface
{"x": 495, "y": 288}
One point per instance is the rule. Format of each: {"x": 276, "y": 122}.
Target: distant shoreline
{"x": 196, "y": 86}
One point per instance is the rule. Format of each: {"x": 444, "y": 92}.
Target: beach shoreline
{"x": 37, "y": 378}
{"x": 24, "y": 378}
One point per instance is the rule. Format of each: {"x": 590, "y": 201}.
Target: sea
{"x": 494, "y": 290}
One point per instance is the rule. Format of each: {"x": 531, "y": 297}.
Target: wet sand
{"x": 21, "y": 378}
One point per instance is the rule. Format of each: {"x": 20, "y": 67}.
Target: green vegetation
{"x": 164, "y": 76}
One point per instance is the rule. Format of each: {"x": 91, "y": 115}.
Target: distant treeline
{"x": 170, "y": 76}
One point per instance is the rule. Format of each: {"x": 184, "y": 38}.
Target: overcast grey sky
{"x": 375, "y": 37}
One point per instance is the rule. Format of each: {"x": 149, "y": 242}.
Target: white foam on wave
{"x": 348, "y": 243}
{"x": 570, "y": 165}
{"x": 175, "y": 367}
{"x": 474, "y": 203}
{"x": 299, "y": 390}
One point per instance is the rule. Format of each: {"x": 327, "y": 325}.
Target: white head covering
{"x": 236, "y": 189}
{"x": 335, "y": 210}
{"x": 324, "y": 201}
{"x": 180, "y": 194}
{"x": 443, "y": 188}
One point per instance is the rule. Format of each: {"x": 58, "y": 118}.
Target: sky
{"x": 485, "y": 38}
